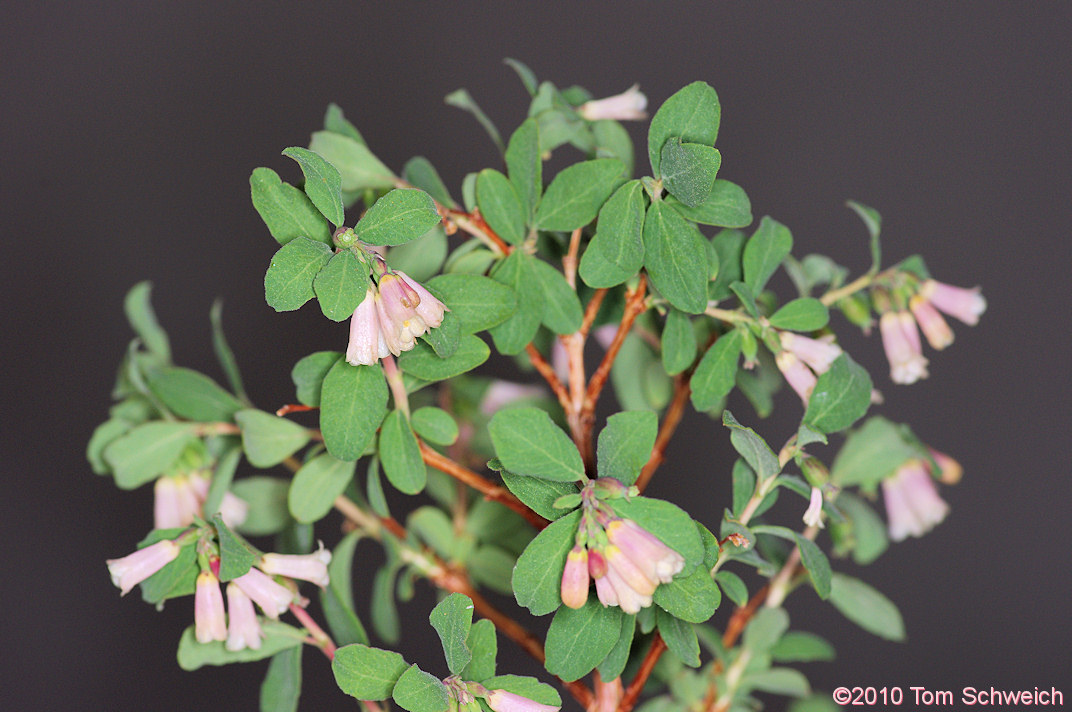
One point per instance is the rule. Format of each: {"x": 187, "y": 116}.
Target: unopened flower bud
{"x": 307, "y": 567}
{"x": 344, "y": 237}
{"x": 627, "y": 106}
{"x": 934, "y": 327}
{"x": 132, "y": 569}
{"x": 575, "y": 578}
{"x": 597, "y": 565}
{"x": 273, "y": 598}
{"x": 210, "y": 621}
{"x": 813, "y": 517}
{"x": 610, "y": 488}
{"x": 950, "y": 470}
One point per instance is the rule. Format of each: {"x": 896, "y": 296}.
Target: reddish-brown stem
{"x": 634, "y": 305}
{"x": 742, "y": 615}
{"x": 608, "y": 694}
{"x": 569, "y": 260}
{"x": 548, "y": 374}
{"x": 674, "y": 413}
{"x": 323, "y": 640}
{"x": 485, "y": 487}
{"x": 591, "y": 310}
{"x": 633, "y": 691}
{"x": 295, "y": 408}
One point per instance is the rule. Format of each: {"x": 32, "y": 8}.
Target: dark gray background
{"x": 129, "y": 133}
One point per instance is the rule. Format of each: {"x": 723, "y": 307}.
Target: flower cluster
{"x": 803, "y": 359}
{"x": 626, "y": 561}
{"x": 900, "y": 335}
{"x": 179, "y": 498}
{"x": 390, "y": 318}
{"x": 913, "y": 505}
{"x": 241, "y": 629}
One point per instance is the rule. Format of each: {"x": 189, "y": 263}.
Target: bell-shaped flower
{"x": 233, "y": 509}
{"x": 655, "y": 559}
{"x": 797, "y": 375}
{"x": 273, "y": 598}
{"x": 934, "y": 327}
{"x": 575, "y": 578}
{"x": 641, "y": 581}
{"x": 243, "y": 629}
{"x": 627, "y": 106}
{"x": 307, "y": 567}
{"x": 210, "y": 622}
{"x": 175, "y": 502}
{"x": 429, "y": 309}
{"x": 366, "y": 345}
{"x": 967, "y": 305}
{"x": 818, "y": 354}
{"x": 904, "y": 350}
{"x": 913, "y": 506}
{"x": 605, "y": 591}
{"x": 503, "y": 701}
{"x": 813, "y": 517}
{"x": 630, "y": 600}
{"x": 132, "y": 569}
{"x": 396, "y": 306}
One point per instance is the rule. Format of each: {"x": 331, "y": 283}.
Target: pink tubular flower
{"x": 816, "y": 353}
{"x": 904, "y": 351}
{"x": 629, "y": 599}
{"x": 966, "y": 305}
{"x": 232, "y": 509}
{"x": 630, "y": 572}
{"x": 813, "y": 517}
{"x": 132, "y": 569}
{"x": 913, "y": 506}
{"x": 307, "y": 567}
{"x": 503, "y": 701}
{"x": 627, "y": 106}
{"x": 273, "y": 598}
{"x": 605, "y": 591}
{"x": 243, "y": 630}
{"x": 429, "y": 309}
{"x": 366, "y": 345}
{"x": 796, "y": 374}
{"x": 404, "y": 312}
{"x": 210, "y": 622}
{"x": 938, "y": 333}
{"x": 658, "y": 561}
{"x": 575, "y": 578}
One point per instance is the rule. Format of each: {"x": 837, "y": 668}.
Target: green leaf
{"x": 382, "y": 607}
{"x": 500, "y": 205}
{"x": 446, "y": 338}
{"x": 765, "y": 629}
{"x": 528, "y": 442}
{"x": 779, "y": 681}
{"x": 452, "y": 619}
{"x": 871, "y": 453}
{"x": 868, "y": 530}
{"x": 358, "y": 168}
{"x": 399, "y": 216}
{"x": 693, "y": 598}
{"x": 733, "y": 587}
{"x": 147, "y": 451}
{"x": 813, "y": 558}
{"x": 367, "y": 673}
{"x": 267, "y": 499}
{"x": 680, "y": 638}
{"x": 103, "y": 435}
{"x": 873, "y": 221}
{"x": 337, "y": 600}
{"x": 174, "y": 580}
{"x": 518, "y": 273}
{"x": 669, "y": 523}
{"x": 223, "y": 350}
{"x": 800, "y": 647}
{"x": 341, "y": 285}
{"x": 866, "y": 607}
{"x": 524, "y": 165}
{"x": 336, "y": 122}
{"x": 277, "y": 638}
{"x": 562, "y": 311}
{"x": 726, "y": 205}
{"x": 400, "y": 456}
{"x": 434, "y": 425}
{"x": 308, "y": 375}
{"x": 754, "y": 449}
{"x": 619, "y": 234}
{"x": 478, "y": 302}
{"x": 614, "y": 664}
{"x": 538, "y": 495}
{"x": 764, "y": 251}
{"x": 268, "y": 439}
{"x": 528, "y": 687}
{"x": 418, "y": 691}
{"x": 804, "y": 314}
{"x": 286, "y": 211}
{"x": 322, "y": 183}
{"x": 422, "y": 258}
{"x": 714, "y": 376}
{"x": 597, "y": 271}
{"x": 747, "y": 298}
{"x": 236, "y": 557}
{"x": 527, "y": 77}
{"x": 841, "y": 397}
{"x": 142, "y": 318}
{"x": 729, "y": 245}
{"x": 288, "y": 283}
{"x": 192, "y": 395}
{"x": 537, "y": 577}
{"x": 689, "y": 170}
{"x": 282, "y": 685}
{"x": 493, "y": 567}
{"x": 579, "y": 639}
{"x": 676, "y": 258}
{"x": 462, "y": 100}
{"x": 575, "y": 195}
{"x": 625, "y": 444}
{"x": 316, "y": 485}
{"x": 678, "y": 342}
{"x": 420, "y": 173}
{"x": 484, "y": 647}
{"x": 613, "y": 141}
{"x": 422, "y": 361}
{"x": 353, "y": 402}
{"x": 692, "y": 114}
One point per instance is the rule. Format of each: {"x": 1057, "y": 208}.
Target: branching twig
{"x": 674, "y": 412}
{"x": 549, "y": 375}
{"x": 634, "y": 305}
{"x": 633, "y": 691}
